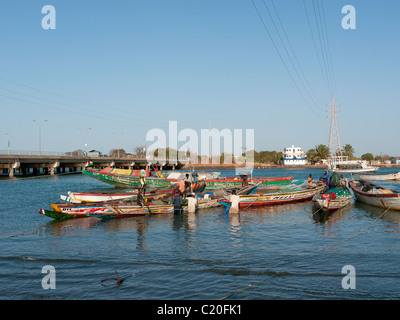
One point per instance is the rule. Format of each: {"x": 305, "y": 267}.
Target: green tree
{"x": 268, "y": 156}
{"x": 348, "y": 151}
{"x": 321, "y": 152}
{"x": 227, "y": 157}
{"x": 367, "y": 156}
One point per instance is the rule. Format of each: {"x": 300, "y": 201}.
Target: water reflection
{"x": 234, "y": 220}
{"x": 69, "y": 227}
{"x": 322, "y": 217}
{"x": 375, "y": 212}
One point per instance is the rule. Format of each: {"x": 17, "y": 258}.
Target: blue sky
{"x": 124, "y": 67}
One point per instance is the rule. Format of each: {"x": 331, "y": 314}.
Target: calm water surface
{"x": 284, "y": 252}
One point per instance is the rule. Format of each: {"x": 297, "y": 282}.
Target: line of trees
{"x": 315, "y": 155}
{"x": 261, "y": 156}
{"x": 321, "y": 152}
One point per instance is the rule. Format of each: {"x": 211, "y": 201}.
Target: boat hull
{"x": 361, "y": 170}
{"x": 382, "y": 200}
{"x": 381, "y": 177}
{"x": 268, "y": 199}
{"x": 333, "y": 205}
{"x": 337, "y": 197}
{"x": 79, "y": 197}
{"x": 62, "y": 211}
{"x": 391, "y": 203}
{"x": 126, "y": 181}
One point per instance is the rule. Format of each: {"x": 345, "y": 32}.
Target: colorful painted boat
{"x": 276, "y": 198}
{"x": 382, "y": 177}
{"x": 375, "y": 195}
{"x": 129, "y": 181}
{"x": 334, "y": 199}
{"x": 79, "y": 197}
{"x": 63, "y": 211}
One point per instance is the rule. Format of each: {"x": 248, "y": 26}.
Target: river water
{"x": 283, "y": 252}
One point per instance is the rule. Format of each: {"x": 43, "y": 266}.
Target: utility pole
{"x": 117, "y": 134}
{"x": 84, "y": 139}
{"x": 8, "y": 144}
{"x": 209, "y": 142}
{"x": 40, "y": 133}
{"x": 334, "y": 141}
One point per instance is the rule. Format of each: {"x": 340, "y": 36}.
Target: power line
{"x": 295, "y": 56}
{"x": 323, "y": 46}
{"x": 280, "y": 55}
{"x": 315, "y": 47}
{"x": 138, "y": 118}
{"x": 329, "y": 49}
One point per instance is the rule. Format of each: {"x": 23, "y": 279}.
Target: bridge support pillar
{"x": 15, "y": 165}
{"x": 54, "y": 166}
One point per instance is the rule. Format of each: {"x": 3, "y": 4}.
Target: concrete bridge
{"x": 53, "y": 163}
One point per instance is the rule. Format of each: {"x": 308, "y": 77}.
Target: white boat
{"x": 79, "y": 197}
{"x": 382, "y": 177}
{"x": 375, "y": 195}
{"x": 341, "y": 164}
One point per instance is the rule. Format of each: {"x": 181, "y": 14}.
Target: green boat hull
{"x": 126, "y": 181}
{"x": 57, "y": 215}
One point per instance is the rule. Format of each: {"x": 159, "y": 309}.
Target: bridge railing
{"x": 36, "y": 153}
{"x": 60, "y": 153}
{"x": 81, "y": 155}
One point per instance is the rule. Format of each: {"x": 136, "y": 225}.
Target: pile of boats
{"x": 338, "y": 196}
{"x": 210, "y": 191}
{"x": 131, "y": 179}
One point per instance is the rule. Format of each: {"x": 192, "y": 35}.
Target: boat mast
{"x": 334, "y": 141}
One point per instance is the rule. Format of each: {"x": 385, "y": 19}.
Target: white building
{"x": 293, "y": 156}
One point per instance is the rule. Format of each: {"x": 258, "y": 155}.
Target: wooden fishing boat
{"x": 276, "y": 198}
{"x": 79, "y": 197}
{"x": 375, "y": 195}
{"x": 129, "y": 181}
{"x": 334, "y": 199}
{"x": 119, "y": 209}
{"x": 382, "y": 177}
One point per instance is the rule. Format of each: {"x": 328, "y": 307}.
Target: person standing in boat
{"x": 325, "y": 179}
{"x": 195, "y": 178}
{"x": 181, "y": 186}
{"x": 245, "y": 182}
{"x": 188, "y": 184}
{"x": 139, "y": 198}
{"x": 142, "y": 181}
